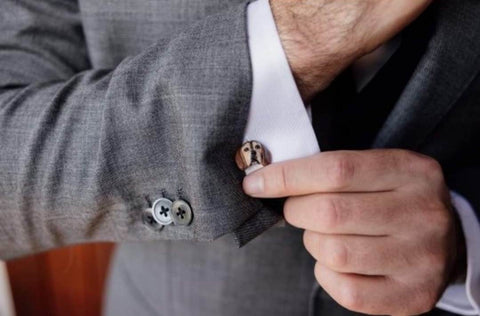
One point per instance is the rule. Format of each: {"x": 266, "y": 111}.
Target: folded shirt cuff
{"x": 277, "y": 117}
{"x": 464, "y": 299}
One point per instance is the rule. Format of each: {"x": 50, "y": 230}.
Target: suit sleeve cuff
{"x": 464, "y": 299}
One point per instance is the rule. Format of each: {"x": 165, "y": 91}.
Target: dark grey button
{"x": 149, "y": 221}
{"x": 181, "y": 213}
{"x": 162, "y": 209}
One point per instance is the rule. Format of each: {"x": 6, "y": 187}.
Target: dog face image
{"x": 252, "y": 154}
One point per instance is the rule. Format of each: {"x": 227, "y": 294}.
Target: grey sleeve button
{"x": 149, "y": 221}
{"x": 182, "y": 214}
{"x": 161, "y": 211}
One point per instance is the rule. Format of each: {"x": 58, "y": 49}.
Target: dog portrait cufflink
{"x": 251, "y": 156}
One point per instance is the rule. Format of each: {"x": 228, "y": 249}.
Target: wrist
{"x": 315, "y": 57}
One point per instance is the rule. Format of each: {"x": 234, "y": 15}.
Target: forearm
{"x": 321, "y": 38}
{"x": 312, "y": 53}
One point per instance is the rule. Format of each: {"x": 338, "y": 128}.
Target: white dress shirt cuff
{"x": 277, "y": 118}
{"x": 464, "y": 299}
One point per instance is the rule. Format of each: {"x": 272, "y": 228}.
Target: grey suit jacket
{"x": 107, "y": 105}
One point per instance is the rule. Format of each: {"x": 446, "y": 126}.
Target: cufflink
{"x": 251, "y": 156}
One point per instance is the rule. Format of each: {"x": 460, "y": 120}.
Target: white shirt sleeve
{"x": 278, "y": 118}
{"x": 464, "y": 299}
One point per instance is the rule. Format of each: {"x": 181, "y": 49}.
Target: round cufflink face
{"x": 181, "y": 213}
{"x": 149, "y": 221}
{"x": 252, "y": 155}
{"x": 161, "y": 211}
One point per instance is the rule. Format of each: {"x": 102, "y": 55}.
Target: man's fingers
{"x": 372, "y": 295}
{"x": 365, "y": 255}
{"x": 373, "y": 213}
{"x": 338, "y": 171}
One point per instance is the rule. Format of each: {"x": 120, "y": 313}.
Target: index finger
{"x": 335, "y": 171}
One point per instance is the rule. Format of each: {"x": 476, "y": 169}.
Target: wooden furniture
{"x": 67, "y": 281}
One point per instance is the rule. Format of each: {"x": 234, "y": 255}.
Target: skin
{"x": 322, "y": 37}
{"x": 378, "y": 222}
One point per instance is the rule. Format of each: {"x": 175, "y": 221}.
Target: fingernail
{"x": 253, "y": 184}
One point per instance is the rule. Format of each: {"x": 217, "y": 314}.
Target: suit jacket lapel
{"x": 450, "y": 63}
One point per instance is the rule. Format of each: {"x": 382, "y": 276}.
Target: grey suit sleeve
{"x": 83, "y": 151}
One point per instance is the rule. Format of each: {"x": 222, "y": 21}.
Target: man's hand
{"x": 378, "y": 222}
{"x": 322, "y": 37}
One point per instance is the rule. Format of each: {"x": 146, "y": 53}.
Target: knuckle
{"x": 416, "y": 301}
{"x": 432, "y": 205}
{"x": 432, "y": 263}
{"x": 329, "y": 214}
{"x": 309, "y": 241}
{"x": 420, "y": 163}
{"x": 425, "y": 208}
{"x": 430, "y": 165}
{"x": 430, "y": 168}
{"x": 440, "y": 225}
{"x": 351, "y": 298}
{"x": 427, "y": 300}
{"x": 342, "y": 171}
{"x": 338, "y": 256}
{"x": 443, "y": 223}
{"x": 317, "y": 271}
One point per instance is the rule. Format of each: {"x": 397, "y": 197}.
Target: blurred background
{"x": 67, "y": 281}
